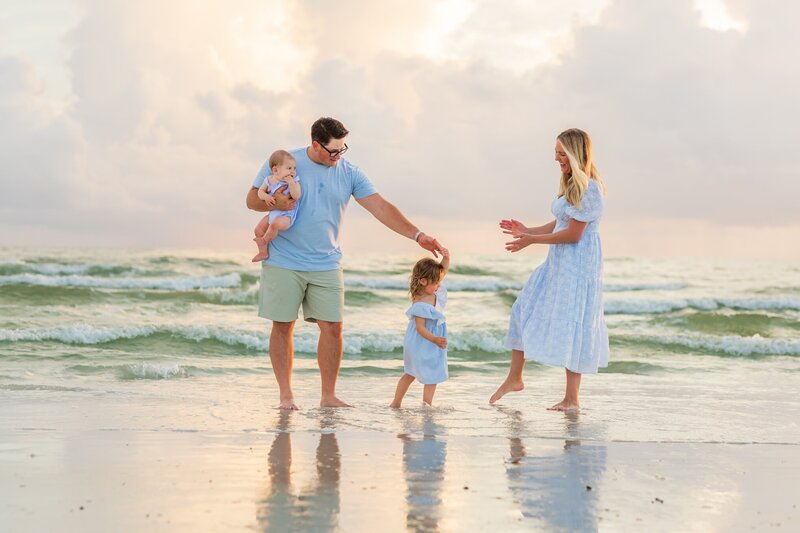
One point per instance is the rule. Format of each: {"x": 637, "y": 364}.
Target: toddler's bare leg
{"x": 427, "y": 394}
{"x": 402, "y": 387}
{"x": 277, "y": 225}
{"x": 261, "y": 227}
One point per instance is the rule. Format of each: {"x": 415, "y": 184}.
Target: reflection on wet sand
{"x": 424, "y": 456}
{"x": 561, "y": 490}
{"x": 310, "y": 508}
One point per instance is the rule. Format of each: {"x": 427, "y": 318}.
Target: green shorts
{"x": 282, "y": 291}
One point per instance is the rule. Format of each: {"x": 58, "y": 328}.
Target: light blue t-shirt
{"x": 311, "y": 244}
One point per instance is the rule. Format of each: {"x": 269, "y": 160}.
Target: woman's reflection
{"x": 314, "y": 507}
{"x": 560, "y": 489}
{"x": 424, "y": 455}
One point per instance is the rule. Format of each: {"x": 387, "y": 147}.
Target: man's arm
{"x": 282, "y": 201}
{"x": 391, "y": 217}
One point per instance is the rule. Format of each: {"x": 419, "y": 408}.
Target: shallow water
{"x": 698, "y": 347}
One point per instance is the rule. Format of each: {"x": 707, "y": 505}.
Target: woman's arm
{"x": 569, "y": 235}
{"x": 543, "y": 229}
{"x": 512, "y": 227}
{"x": 419, "y": 322}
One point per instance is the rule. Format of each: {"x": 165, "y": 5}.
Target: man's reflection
{"x": 314, "y": 507}
{"x": 424, "y": 455}
{"x": 559, "y": 489}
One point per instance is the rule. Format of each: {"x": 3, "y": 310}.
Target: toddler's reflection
{"x": 424, "y": 456}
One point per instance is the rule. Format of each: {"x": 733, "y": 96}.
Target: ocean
{"x": 701, "y": 350}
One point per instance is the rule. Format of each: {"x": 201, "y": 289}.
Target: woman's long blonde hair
{"x": 578, "y": 146}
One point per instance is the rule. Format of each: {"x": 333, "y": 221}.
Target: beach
{"x": 136, "y": 395}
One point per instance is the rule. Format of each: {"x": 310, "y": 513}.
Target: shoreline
{"x": 335, "y": 477}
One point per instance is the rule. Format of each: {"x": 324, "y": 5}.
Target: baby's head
{"x": 282, "y": 164}
{"x": 426, "y": 277}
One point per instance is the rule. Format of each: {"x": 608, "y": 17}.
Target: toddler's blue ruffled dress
{"x": 421, "y": 358}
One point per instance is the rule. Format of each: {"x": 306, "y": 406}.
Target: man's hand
{"x": 429, "y": 243}
{"x": 284, "y": 202}
{"x": 269, "y": 200}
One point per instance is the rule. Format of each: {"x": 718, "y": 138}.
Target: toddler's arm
{"x": 445, "y": 261}
{"x": 264, "y": 195}
{"x": 294, "y": 187}
{"x": 419, "y": 322}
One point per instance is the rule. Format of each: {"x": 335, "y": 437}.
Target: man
{"x": 304, "y": 265}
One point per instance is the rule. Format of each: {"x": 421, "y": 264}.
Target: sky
{"x": 142, "y": 124}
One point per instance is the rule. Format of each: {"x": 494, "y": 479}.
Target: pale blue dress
{"x": 292, "y": 213}
{"x": 558, "y": 318}
{"x": 421, "y": 358}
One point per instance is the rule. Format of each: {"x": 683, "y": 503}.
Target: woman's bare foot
{"x": 333, "y": 401}
{"x": 565, "y": 405}
{"x": 506, "y": 387}
{"x": 288, "y": 405}
{"x": 395, "y": 405}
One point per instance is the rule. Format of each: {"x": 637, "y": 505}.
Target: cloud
{"x": 173, "y": 109}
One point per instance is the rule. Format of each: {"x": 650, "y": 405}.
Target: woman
{"x": 558, "y": 319}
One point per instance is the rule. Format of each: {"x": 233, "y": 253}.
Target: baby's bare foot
{"x": 506, "y": 387}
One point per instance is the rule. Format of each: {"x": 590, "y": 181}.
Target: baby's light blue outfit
{"x": 292, "y": 214}
{"x": 558, "y": 318}
{"x": 421, "y": 358}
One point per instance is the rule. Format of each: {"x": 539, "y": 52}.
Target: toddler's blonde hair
{"x": 426, "y": 269}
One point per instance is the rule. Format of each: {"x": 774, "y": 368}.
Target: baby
{"x": 284, "y": 172}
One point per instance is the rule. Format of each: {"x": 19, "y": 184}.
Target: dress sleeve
{"x": 441, "y": 297}
{"x": 422, "y": 310}
{"x": 591, "y": 204}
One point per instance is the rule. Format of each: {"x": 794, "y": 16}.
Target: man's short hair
{"x": 327, "y": 128}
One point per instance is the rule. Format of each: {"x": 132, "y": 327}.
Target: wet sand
{"x": 285, "y": 476}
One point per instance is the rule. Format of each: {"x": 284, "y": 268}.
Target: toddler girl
{"x": 425, "y": 344}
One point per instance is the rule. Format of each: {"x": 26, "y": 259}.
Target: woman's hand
{"x": 441, "y": 342}
{"x": 520, "y": 242}
{"x": 513, "y": 227}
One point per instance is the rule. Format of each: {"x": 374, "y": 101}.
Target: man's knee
{"x": 282, "y": 328}
{"x": 333, "y": 329}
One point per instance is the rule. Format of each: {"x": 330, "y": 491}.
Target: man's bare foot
{"x": 333, "y": 401}
{"x": 565, "y": 405}
{"x": 289, "y": 405}
{"x": 506, "y": 387}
